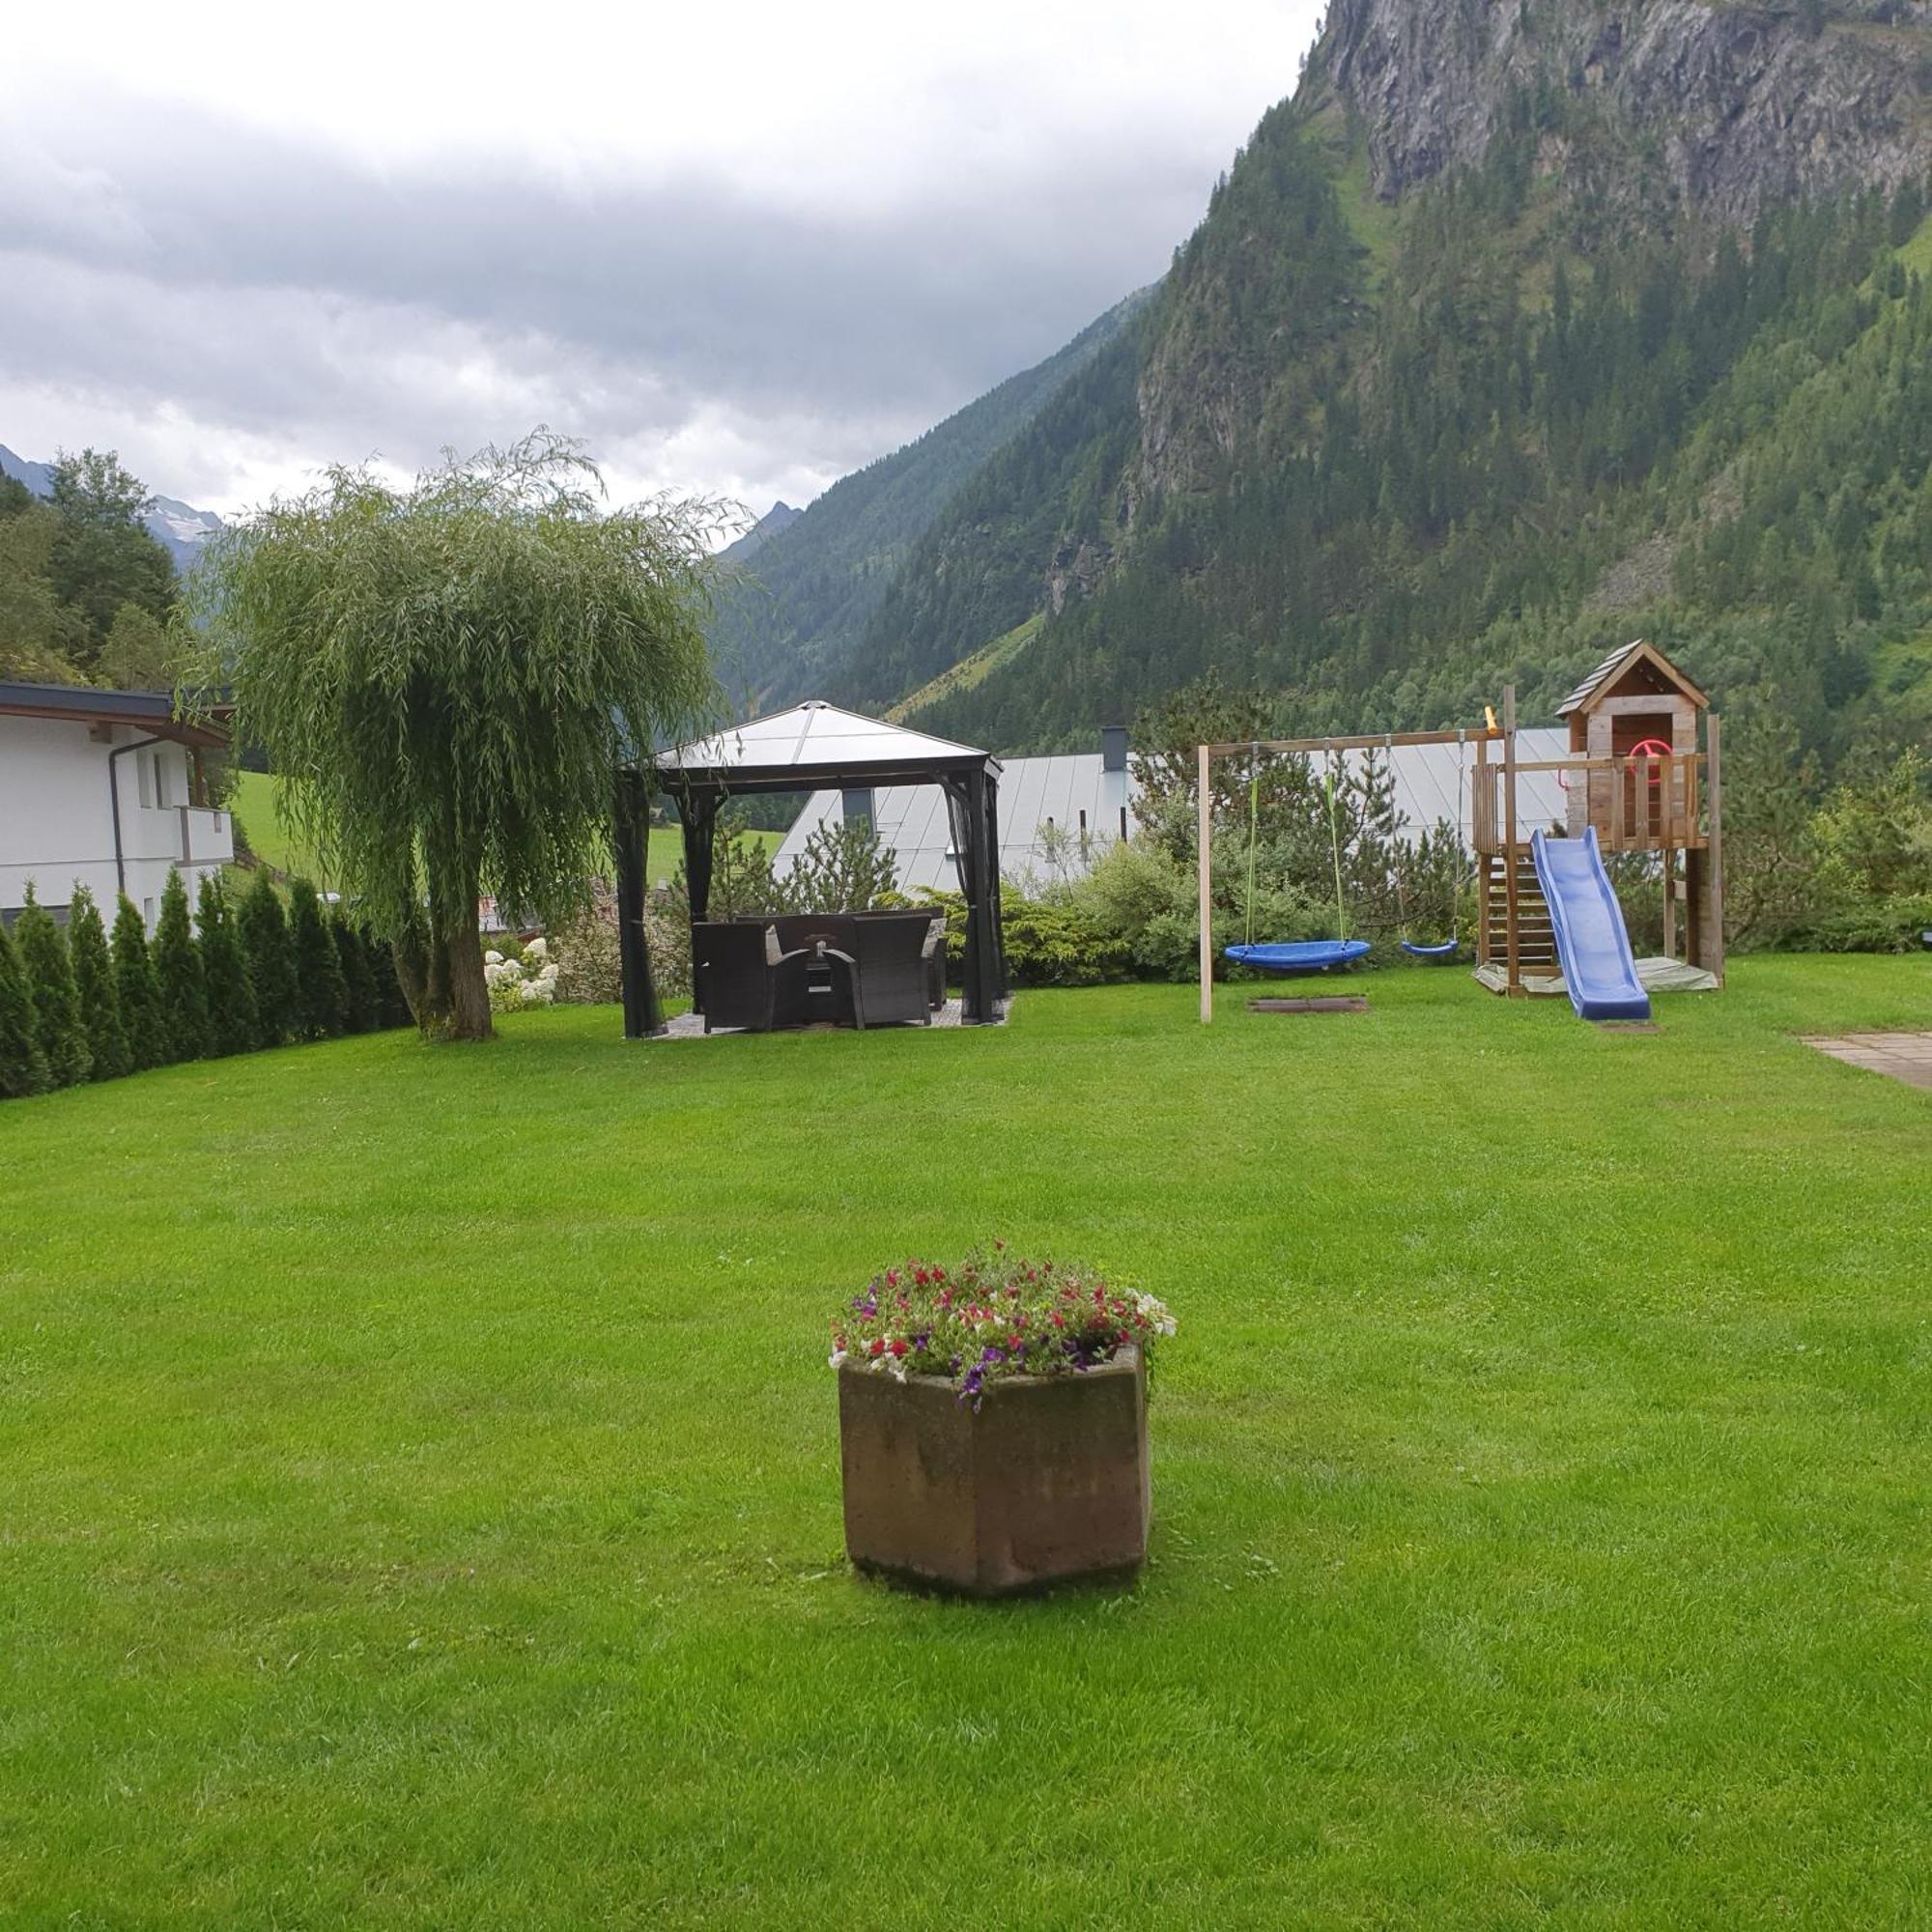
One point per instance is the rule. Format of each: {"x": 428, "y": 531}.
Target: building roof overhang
{"x": 155, "y": 712}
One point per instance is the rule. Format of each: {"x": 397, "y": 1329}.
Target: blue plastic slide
{"x": 1592, "y": 946}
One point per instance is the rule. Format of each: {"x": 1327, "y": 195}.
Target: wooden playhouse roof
{"x": 1625, "y": 659}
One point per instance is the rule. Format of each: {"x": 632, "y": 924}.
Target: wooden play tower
{"x": 1635, "y": 774}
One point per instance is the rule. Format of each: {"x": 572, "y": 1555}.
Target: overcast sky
{"x": 739, "y": 251}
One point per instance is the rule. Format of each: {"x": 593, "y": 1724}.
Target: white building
{"x": 105, "y": 788}
{"x": 1088, "y": 800}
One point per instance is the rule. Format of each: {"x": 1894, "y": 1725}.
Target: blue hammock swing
{"x": 1282, "y": 957}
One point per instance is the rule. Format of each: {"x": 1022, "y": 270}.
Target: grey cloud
{"x": 285, "y": 292}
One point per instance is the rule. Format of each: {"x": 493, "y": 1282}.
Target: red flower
{"x": 899, "y": 1348}
{"x": 939, "y": 1274}
{"x": 878, "y": 1344}
{"x": 1059, "y": 1321}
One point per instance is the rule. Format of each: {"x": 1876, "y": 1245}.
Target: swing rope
{"x": 1335, "y": 843}
{"x": 1254, "y": 827}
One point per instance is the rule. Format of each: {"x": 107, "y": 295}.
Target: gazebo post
{"x": 631, "y": 838}
{"x": 980, "y": 976}
{"x": 698, "y": 812}
{"x": 995, "y": 924}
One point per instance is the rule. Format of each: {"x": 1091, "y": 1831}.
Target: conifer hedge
{"x": 141, "y": 1017}
{"x": 99, "y": 997}
{"x": 272, "y": 971}
{"x": 74, "y": 1008}
{"x": 178, "y": 977}
{"x": 321, "y": 996}
{"x": 56, "y": 1003}
{"x": 232, "y": 1026}
{"x": 23, "y": 1067}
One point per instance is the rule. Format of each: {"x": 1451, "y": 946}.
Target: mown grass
{"x": 257, "y": 805}
{"x": 421, "y": 1500}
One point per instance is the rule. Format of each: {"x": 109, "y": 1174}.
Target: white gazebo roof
{"x": 814, "y": 736}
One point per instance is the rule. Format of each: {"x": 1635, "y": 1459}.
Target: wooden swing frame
{"x": 1357, "y": 741}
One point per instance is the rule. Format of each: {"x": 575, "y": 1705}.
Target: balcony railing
{"x": 205, "y": 836}
{"x": 1643, "y": 804}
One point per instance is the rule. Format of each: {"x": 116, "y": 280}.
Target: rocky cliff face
{"x": 1721, "y": 108}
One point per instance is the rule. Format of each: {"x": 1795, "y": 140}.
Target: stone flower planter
{"x": 1046, "y": 1481}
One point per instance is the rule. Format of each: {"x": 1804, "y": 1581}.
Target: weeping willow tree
{"x": 444, "y": 679}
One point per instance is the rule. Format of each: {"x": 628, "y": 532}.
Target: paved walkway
{"x": 1904, "y": 1056}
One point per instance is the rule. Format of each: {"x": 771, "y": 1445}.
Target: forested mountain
{"x": 1519, "y": 330}
{"x": 812, "y": 579}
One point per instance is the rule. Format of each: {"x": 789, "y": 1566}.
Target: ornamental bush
{"x": 271, "y": 966}
{"x": 1046, "y": 945}
{"x": 232, "y": 1026}
{"x": 23, "y": 1067}
{"x": 320, "y": 993}
{"x": 49, "y": 972}
{"x": 94, "y": 989}
{"x": 134, "y": 986}
{"x": 589, "y": 967}
{"x": 183, "y": 998}
{"x": 515, "y": 985}
{"x": 990, "y": 1318}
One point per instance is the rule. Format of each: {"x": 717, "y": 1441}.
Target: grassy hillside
{"x": 422, "y": 1478}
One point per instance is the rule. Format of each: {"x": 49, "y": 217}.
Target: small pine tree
{"x": 94, "y": 988}
{"x": 134, "y": 986}
{"x": 225, "y": 973}
{"x": 361, "y": 1009}
{"x": 56, "y": 1004}
{"x": 178, "y": 977}
{"x": 320, "y": 994}
{"x": 272, "y": 971}
{"x": 23, "y": 1067}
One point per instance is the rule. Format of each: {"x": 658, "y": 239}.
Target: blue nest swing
{"x": 1320, "y": 955}
{"x": 1282, "y": 957}
{"x": 1303, "y": 955}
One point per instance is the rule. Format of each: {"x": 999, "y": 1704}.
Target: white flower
{"x": 836, "y": 1356}
{"x": 536, "y": 948}
{"x": 1155, "y": 1311}
{"x": 493, "y": 958}
{"x": 529, "y": 992}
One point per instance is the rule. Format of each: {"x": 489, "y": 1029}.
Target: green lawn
{"x": 420, "y": 1502}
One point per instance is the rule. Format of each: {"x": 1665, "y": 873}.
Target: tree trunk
{"x": 468, "y": 991}
{"x": 454, "y": 1002}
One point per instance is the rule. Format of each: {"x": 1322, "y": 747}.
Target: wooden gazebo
{"x": 813, "y": 747}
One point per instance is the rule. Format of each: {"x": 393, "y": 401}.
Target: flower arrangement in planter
{"x": 993, "y": 1423}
